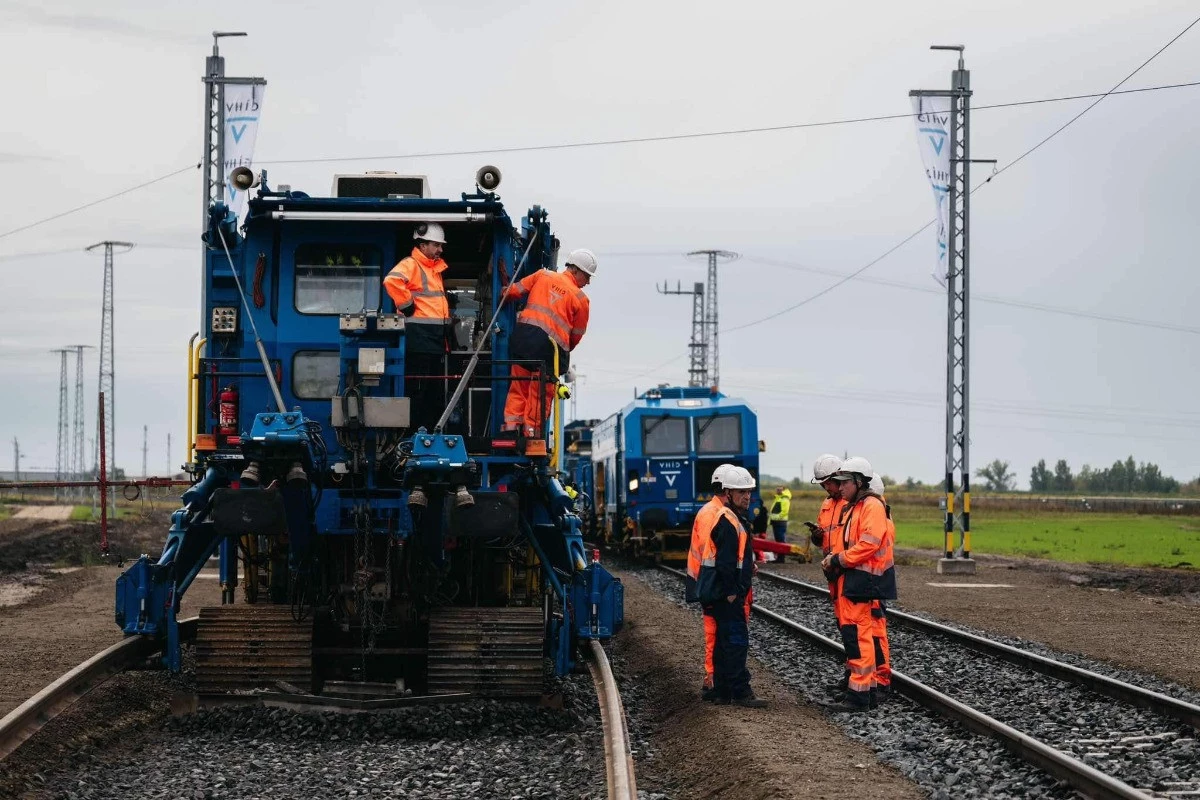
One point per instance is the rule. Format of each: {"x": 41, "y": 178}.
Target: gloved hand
{"x": 832, "y": 568}
{"x": 570, "y": 376}
{"x": 815, "y": 534}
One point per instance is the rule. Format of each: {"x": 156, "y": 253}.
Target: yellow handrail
{"x": 193, "y": 393}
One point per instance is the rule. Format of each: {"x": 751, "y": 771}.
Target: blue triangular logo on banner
{"x": 938, "y": 143}
{"x": 237, "y": 132}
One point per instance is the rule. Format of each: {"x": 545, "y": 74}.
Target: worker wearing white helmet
{"x": 865, "y": 576}
{"x": 549, "y": 327}
{"x": 719, "y": 575}
{"x": 710, "y": 624}
{"x": 415, "y": 286}
{"x": 824, "y": 532}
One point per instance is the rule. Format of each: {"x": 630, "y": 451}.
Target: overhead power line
{"x": 617, "y": 141}
{"x": 982, "y": 298}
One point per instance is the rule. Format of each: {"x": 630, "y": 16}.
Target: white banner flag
{"x": 243, "y": 106}
{"x": 933, "y": 138}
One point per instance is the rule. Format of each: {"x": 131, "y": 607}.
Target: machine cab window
{"x": 718, "y": 434}
{"x": 664, "y": 436}
{"x": 337, "y": 278}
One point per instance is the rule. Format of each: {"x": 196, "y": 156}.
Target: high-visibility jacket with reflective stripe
{"x": 554, "y": 303}
{"x": 781, "y": 505}
{"x": 828, "y": 519}
{"x": 702, "y": 584}
{"x": 417, "y": 281}
{"x": 868, "y": 539}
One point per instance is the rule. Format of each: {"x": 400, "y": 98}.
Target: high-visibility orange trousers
{"x": 710, "y": 640}
{"x": 522, "y": 407}
{"x": 883, "y": 651}
{"x": 858, "y": 627}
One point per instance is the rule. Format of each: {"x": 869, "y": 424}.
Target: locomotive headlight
{"x": 633, "y": 482}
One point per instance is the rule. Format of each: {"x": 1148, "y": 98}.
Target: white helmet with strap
{"x": 429, "y": 232}
{"x": 583, "y": 260}
{"x": 856, "y": 465}
{"x": 877, "y": 484}
{"x": 738, "y": 478}
{"x": 825, "y": 466}
{"x": 718, "y": 474}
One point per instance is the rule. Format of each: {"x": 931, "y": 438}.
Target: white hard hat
{"x": 856, "y": 464}
{"x": 877, "y": 484}
{"x": 430, "y": 232}
{"x": 718, "y": 474}
{"x": 825, "y": 466}
{"x": 738, "y": 478}
{"x": 584, "y": 259}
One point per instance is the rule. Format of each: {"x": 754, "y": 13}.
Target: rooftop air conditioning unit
{"x": 380, "y": 185}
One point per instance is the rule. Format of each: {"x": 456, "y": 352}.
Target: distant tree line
{"x": 1122, "y": 476}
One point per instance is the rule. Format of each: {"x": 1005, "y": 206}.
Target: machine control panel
{"x": 224, "y": 319}
{"x": 372, "y": 360}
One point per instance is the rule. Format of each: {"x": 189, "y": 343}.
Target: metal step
{"x": 242, "y": 647}
{"x": 492, "y": 652}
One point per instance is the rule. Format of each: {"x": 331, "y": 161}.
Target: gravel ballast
{"x": 478, "y": 749}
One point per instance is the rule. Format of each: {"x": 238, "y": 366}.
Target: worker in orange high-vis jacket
{"x": 866, "y": 573}
{"x": 415, "y": 286}
{"x": 700, "y": 530}
{"x": 825, "y": 532}
{"x": 883, "y": 649}
{"x": 719, "y": 576}
{"x": 554, "y": 319}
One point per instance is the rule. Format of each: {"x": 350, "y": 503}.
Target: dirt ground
{"x": 1142, "y": 619}
{"x": 786, "y": 751}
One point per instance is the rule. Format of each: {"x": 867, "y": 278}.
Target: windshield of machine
{"x": 337, "y": 279}
{"x": 718, "y": 434}
{"x": 664, "y": 436}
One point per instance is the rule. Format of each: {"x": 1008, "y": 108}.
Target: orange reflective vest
{"x": 868, "y": 539}
{"x": 554, "y": 303}
{"x": 828, "y": 519}
{"x": 417, "y": 281}
{"x": 701, "y": 585}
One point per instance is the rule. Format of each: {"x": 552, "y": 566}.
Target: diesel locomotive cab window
{"x": 337, "y": 279}
{"x": 722, "y": 434}
{"x": 664, "y": 436}
{"x": 316, "y": 374}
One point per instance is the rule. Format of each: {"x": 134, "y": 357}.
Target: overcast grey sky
{"x": 1101, "y": 220}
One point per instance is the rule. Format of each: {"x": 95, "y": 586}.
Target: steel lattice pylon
{"x": 78, "y": 467}
{"x": 958, "y": 294}
{"x": 108, "y": 380}
{"x": 712, "y": 345}
{"x": 62, "y": 455}
{"x": 698, "y": 347}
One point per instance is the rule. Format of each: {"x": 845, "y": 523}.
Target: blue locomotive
{"x": 646, "y": 470}
{"x": 372, "y": 548}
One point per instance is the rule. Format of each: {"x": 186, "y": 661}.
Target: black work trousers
{"x": 427, "y": 396}
{"x": 731, "y": 679}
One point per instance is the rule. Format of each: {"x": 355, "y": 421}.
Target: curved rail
{"x": 1087, "y": 780}
{"x": 618, "y": 761}
{"x": 26, "y": 719}
{"x": 1100, "y": 684}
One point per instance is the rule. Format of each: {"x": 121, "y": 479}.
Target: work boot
{"x": 749, "y": 701}
{"x": 417, "y": 497}
{"x": 462, "y": 498}
{"x": 838, "y": 688}
{"x": 845, "y": 704}
{"x": 780, "y": 558}
{"x": 881, "y": 694}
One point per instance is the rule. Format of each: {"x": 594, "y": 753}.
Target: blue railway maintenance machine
{"x": 371, "y": 548}
{"x": 645, "y": 471}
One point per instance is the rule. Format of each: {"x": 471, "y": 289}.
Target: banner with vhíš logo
{"x": 243, "y": 106}
{"x": 933, "y": 138}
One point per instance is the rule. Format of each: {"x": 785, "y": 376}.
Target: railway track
{"x": 1045, "y": 712}
{"x": 423, "y": 721}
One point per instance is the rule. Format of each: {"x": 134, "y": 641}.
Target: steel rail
{"x": 1157, "y": 702}
{"x": 618, "y": 760}
{"x": 1087, "y": 780}
{"x": 29, "y": 717}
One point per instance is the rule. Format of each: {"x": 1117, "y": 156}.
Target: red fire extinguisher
{"x": 228, "y": 417}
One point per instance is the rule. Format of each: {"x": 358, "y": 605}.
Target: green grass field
{"x": 1082, "y": 538}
